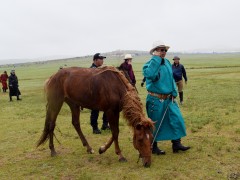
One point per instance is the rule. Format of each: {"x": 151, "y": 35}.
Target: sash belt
{"x": 160, "y": 96}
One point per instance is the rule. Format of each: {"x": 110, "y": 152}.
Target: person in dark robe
{"x": 13, "y": 86}
{"x": 127, "y": 66}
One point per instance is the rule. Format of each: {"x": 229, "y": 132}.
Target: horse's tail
{"x": 45, "y": 135}
{"x": 49, "y": 87}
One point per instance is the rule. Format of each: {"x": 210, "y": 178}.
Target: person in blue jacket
{"x": 160, "y": 102}
{"x": 179, "y": 72}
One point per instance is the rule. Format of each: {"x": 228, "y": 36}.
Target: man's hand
{"x": 156, "y": 53}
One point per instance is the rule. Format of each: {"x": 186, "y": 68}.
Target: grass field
{"x": 211, "y": 111}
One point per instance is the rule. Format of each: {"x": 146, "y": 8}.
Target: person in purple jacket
{"x": 179, "y": 72}
{"x": 127, "y": 66}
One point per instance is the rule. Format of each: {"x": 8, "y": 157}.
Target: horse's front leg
{"x": 115, "y": 133}
{"x": 103, "y": 148}
{"x": 113, "y": 119}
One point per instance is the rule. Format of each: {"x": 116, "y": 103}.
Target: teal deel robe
{"x": 159, "y": 79}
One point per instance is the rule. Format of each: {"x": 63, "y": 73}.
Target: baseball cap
{"x": 98, "y": 56}
{"x": 176, "y": 57}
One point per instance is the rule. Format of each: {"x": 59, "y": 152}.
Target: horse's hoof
{"x": 123, "y": 159}
{"x": 91, "y": 151}
{"x": 101, "y": 150}
{"x": 53, "y": 154}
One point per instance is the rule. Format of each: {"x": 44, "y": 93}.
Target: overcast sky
{"x": 42, "y": 28}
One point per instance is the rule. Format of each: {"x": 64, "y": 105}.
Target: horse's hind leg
{"x": 75, "y": 121}
{"x": 52, "y": 113}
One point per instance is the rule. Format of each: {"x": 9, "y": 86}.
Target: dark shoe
{"x": 105, "y": 127}
{"x": 176, "y": 146}
{"x": 96, "y": 131}
{"x": 181, "y": 97}
{"x": 156, "y": 150}
{"x": 19, "y": 99}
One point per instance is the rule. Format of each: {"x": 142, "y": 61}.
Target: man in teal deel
{"x": 160, "y": 103}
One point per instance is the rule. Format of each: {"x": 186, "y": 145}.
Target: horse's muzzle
{"x": 147, "y": 165}
{"x": 146, "y": 160}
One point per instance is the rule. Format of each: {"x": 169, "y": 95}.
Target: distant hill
{"x": 123, "y": 52}
{"x": 116, "y": 53}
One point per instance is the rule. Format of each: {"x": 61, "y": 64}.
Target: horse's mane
{"x": 132, "y": 106}
{"x": 119, "y": 75}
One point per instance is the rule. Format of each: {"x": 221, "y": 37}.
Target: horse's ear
{"x": 138, "y": 126}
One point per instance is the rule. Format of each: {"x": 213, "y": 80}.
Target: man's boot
{"x": 105, "y": 122}
{"x": 18, "y": 98}
{"x": 105, "y": 127}
{"x": 10, "y": 98}
{"x": 181, "y": 97}
{"x": 94, "y": 123}
{"x": 96, "y": 130}
{"x": 156, "y": 150}
{"x": 176, "y": 146}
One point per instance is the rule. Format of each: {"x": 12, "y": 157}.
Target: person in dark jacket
{"x": 97, "y": 62}
{"x": 127, "y": 66}
{"x": 143, "y": 81}
{"x": 179, "y": 72}
{"x": 13, "y": 86}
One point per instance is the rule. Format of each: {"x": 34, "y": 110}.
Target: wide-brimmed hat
{"x": 128, "y": 56}
{"x": 158, "y": 44}
{"x": 176, "y": 57}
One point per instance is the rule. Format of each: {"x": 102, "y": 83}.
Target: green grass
{"x": 211, "y": 112}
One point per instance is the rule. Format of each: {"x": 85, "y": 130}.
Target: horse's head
{"x": 142, "y": 140}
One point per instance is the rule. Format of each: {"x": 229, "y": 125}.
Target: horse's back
{"x": 94, "y": 88}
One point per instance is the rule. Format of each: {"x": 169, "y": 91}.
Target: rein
{"x": 160, "y": 123}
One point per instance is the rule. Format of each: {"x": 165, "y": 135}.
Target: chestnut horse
{"x": 105, "y": 89}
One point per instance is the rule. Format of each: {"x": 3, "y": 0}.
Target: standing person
{"x": 160, "y": 103}
{"x": 143, "y": 81}
{"x": 13, "y": 86}
{"x": 97, "y": 62}
{"x": 3, "y": 79}
{"x": 127, "y": 66}
{"x": 179, "y": 72}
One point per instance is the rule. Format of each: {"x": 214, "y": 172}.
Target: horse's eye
{"x": 138, "y": 127}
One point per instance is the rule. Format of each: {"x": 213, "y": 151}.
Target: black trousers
{"x": 94, "y": 118}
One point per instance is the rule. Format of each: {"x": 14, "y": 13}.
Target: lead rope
{"x": 160, "y": 124}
